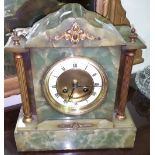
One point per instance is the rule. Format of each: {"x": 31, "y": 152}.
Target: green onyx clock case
{"x": 71, "y": 66}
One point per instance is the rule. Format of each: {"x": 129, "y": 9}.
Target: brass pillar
{"x": 123, "y": 93}
{"x": 23, "y": 87}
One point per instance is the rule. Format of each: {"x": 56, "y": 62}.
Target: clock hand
{"x": 89, "y": 86}
{"x": 70, "y": 96}
{"x": 86, "y": 88}
{"x": 74, "y": 86}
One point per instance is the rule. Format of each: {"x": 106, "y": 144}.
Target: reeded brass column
{"x": 23, "y": 87}
{"x": 128, "y": 62}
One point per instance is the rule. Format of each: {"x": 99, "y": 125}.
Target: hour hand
{"x": 71, "y": 94}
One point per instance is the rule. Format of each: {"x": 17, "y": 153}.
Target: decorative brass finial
{"x": 15, "y": 38}
{"x": 133, "y": 35}
{"x": 18, "y": 34}
{"x": 75, "y": 34}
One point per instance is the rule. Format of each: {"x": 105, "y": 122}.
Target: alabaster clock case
{"x": 76, "y": 77}
{"x": 74, "y": 68}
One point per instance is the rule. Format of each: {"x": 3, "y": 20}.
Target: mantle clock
{"x": 74, "y": 68}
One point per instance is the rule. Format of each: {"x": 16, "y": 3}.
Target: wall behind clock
{"x": 138, "y": 13}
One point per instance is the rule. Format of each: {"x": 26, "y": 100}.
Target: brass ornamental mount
{"x": 75, "y": 34}
{"x": 75, "y": 125}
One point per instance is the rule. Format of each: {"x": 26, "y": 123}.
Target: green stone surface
{"x": 44, "y": 32}
{"x": 41, "y": 59}
{"x": 51, "y": 130}
{"x": 29, "y": 137}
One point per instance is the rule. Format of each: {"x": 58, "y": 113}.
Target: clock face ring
{"x": 75, "y": 85}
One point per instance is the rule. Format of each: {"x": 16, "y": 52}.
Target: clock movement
{"x": 74, "y": 68}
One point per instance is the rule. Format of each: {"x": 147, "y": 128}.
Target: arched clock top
{"x": 75, "y": 32}
{"x": 71, "y": 26}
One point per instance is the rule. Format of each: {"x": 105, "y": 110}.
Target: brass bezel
{"x": 72, "y": 111}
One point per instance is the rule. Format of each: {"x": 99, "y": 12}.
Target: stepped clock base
{"x": 77, "y": 134}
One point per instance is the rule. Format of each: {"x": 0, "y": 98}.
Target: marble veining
{"x": 47, "y": 131}
{"x": 122, "y": 135}
{"x": 42, "y": 58}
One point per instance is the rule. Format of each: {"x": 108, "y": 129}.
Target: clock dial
{"x": 75, "y": 85}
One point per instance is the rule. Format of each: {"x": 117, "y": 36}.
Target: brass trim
{"x": 85, "y": 109}
{"x": 76, "y": 125}
{"x": 23, "y": 87}
{"x": 120, "y": 117}
{"x": 75, "y": 34}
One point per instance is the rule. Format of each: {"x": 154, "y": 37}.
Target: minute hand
{"x": 89, "y": 86}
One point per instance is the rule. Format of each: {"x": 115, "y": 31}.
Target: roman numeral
{"x": 74, "y": 65}
{"x": 96, "y": 84}
{"x": 55, "y": 76}
{"x": 63, "y": 68}
{"x": 76, "y": 103}
{"x": 54, "y": 86}
{"x": 86, "y": 67}
{"x": 57, "y": 95}
{"x": 94, "y": 74}
{"x": 65, "y": 102}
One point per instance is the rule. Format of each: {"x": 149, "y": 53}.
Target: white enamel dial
{"x": 75, "y": 85}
